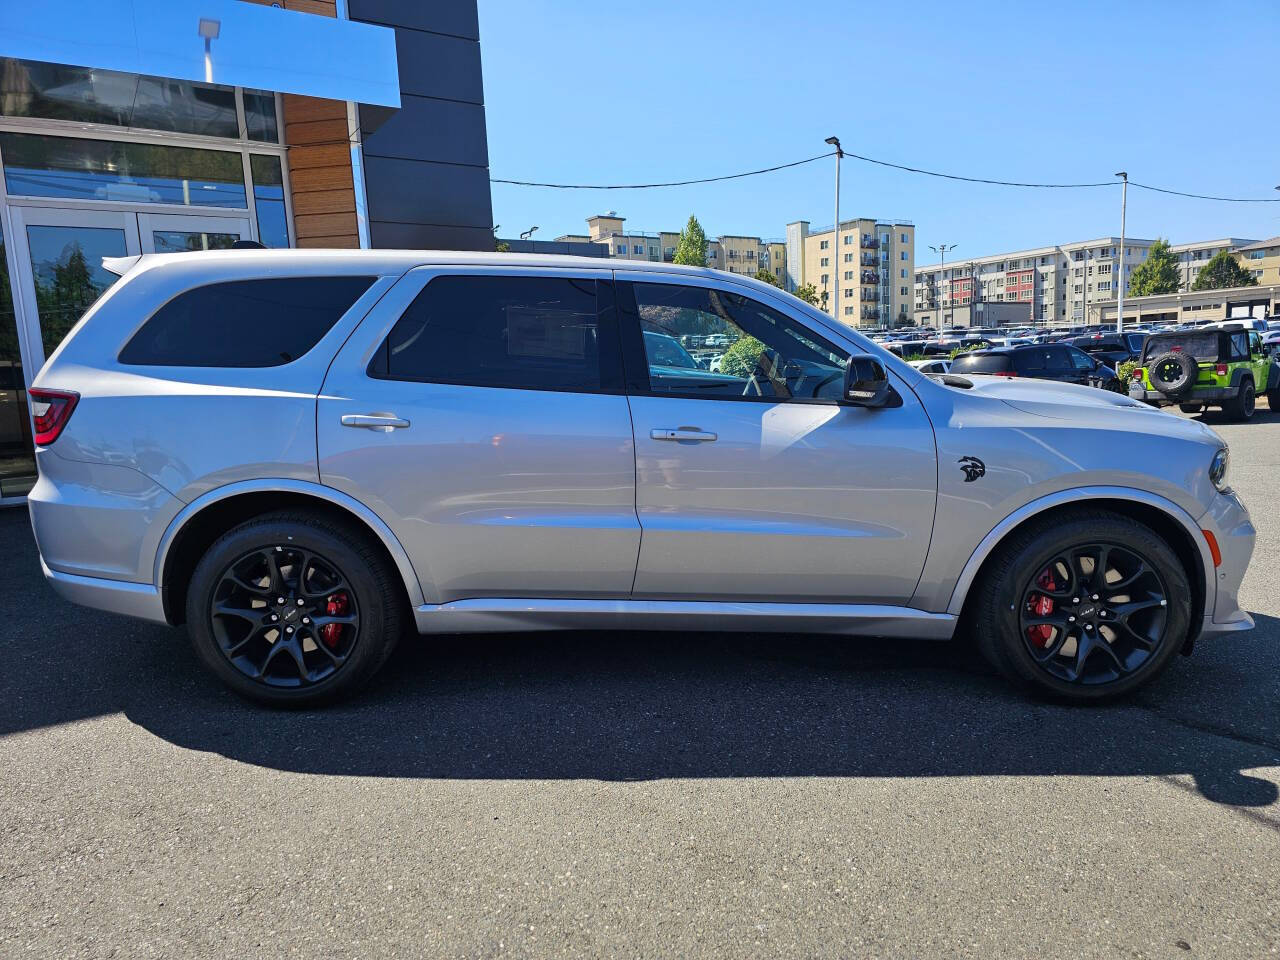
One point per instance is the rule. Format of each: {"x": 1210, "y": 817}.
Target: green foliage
{"x": 903, "y": 321}
{"x": 1157, "y": 274}
{"x": 808, "y": 293}
{"x": 767, "y": 277}
{"x": 740, "y": 360}
{"x": 1125, "y": 370}
{"x": 501, "y": 246}
{"x": 691, "y": 249}
{"x": 956, "y": 351}
{"x": 822, "y": 299}
{"x": 1221, "y": 272}
{"x": 63, "y": 298}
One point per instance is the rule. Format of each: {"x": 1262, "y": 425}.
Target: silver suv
{"x": 299, "y": 453}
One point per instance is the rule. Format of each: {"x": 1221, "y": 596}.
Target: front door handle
{"x": 382, "y": 422}
{"x": 688, "y": 434}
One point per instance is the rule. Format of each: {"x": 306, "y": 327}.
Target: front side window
{"x": 528, "y": 333}
{"x": 741, "y": 348}
{"x": 1079, "y": 360}
{"x": 244, "y": 323}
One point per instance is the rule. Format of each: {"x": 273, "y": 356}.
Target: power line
{"x": 1000, "y": 183}
{"x": 1201, "y": 196}
{"x": 651, "y": 186}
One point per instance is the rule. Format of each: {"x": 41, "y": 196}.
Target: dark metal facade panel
{"x": 426, "y": 129}
{"x": 429, "y": 236}
{"x": 457, "y": 19}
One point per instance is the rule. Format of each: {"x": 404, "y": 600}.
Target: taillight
{"x": 1137, "y": 373}
{"x": 1222, "y": 369}
{"x": 51, "y": 409}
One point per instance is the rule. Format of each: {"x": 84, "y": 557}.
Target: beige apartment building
{"x": 1262, "y": 259}
{"x": 732, "y": 253}
{"x": 871, "y": 263}
{"x": 1193, "y": 256}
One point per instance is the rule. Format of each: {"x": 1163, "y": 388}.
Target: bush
{"x": 740, "y": 359}
{"x": 1125, "y": 370}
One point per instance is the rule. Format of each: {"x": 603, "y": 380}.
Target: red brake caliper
{"x": 1041, "y": 606}
{"x": 335, "y": 605}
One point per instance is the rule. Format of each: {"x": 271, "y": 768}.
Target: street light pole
{"x": 835, "y": 231}
{"x": 941, "y": 249}
{"x": 1124, "y": 201}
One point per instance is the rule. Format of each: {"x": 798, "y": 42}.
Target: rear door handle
{"x": 682, "y": 433}
{"x": 382, "y": 422}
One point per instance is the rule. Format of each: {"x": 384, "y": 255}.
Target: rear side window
{"x": 244, "y": 323}
{"x": 981, "y": 363}
{"x": 531, "y": 333}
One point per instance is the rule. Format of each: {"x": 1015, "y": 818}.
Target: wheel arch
{"x": 206, "y": 518}
{"x": 1175, "y": 525}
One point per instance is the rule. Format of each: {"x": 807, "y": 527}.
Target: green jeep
{"x": 1196, "y": 369}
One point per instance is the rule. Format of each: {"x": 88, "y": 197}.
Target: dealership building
{"x": 154, "y": 126}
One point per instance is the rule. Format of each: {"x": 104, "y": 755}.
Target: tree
{"x": 1221, "y": 272}
{"x": 1157, "y": 274}
{"x": 741, "y": 359}
{"x": 767, "y": 277}
{"x": 808, "y": 293}
{"x": 822, "y": 299}
{"x": 691, "y": 248}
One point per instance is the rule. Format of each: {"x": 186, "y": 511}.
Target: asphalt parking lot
{"x": 632, "y": 794}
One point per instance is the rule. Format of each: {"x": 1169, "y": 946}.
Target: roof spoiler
{"x": 120, "y": 265}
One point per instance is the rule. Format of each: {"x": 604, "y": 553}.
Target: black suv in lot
{"x": 1043, "y": 361}
{"x": 1111, "y": 348}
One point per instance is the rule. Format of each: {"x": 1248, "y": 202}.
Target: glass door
{"x": 161, "y": 233}
{"x": 17, "y": 459}
{"x": 59, "y": 267}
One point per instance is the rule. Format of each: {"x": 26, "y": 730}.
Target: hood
{"x": 1083, "y": 406}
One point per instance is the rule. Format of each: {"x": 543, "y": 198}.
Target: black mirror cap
{"x": 866, "y": 384}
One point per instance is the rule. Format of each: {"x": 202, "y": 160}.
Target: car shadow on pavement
{"x": 639, "y": 706}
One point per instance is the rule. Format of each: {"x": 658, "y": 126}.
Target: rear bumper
{"x": 140, "y": 600}
{"x": 1195, "y": 395}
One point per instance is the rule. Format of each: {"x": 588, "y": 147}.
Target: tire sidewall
{"x": 1028, "y": 561}
{"x": 365, "y": 656}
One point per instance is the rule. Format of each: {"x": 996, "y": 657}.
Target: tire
{"x": 1173, "y": 374}
{"x": 1273, "y": 400}
{"x": 1014, "y": 585}
{"x": 1191, "y": 407}
{"x": 1245, "y": 402}
{"x": 345, "y": 616}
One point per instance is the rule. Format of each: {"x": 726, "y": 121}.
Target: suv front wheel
{"x": 1084, "y": 607}
{"x": 293, "y": 609}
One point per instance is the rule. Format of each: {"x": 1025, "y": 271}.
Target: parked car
{"x": 932, "y": 366}
{"x": 298, "y": 453}
{"x": 1223, "y": 367}
{"x": 1112, "y": 349}
{"x": 1048, "y": 361}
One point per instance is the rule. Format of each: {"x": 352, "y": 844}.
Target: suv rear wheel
{"x": 1245, "y": 401}
{"x": 293, "y": 609}
{"x": 1083, "y": 608}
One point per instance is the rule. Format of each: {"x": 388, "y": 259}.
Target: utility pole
{"x": 835, "y": 231}
{"x": 1124, "y": 201}
{"x": 941, "y": 249}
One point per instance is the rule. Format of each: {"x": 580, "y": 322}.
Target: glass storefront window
{"x": 186, "y": 241}
{"x": 66, "y": 263}
{"x": 66, "y": 167}
{"x": 17, "y": 462}
{"x": 260, "y": 116}
{"x": 268, "y": 198}
{"x": 51, "y": 91}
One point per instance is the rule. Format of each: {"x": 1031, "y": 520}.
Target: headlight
{"x": 1218, "y": 469}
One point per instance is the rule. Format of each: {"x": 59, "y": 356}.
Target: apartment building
{"x": 1065, "y": 283}
{"x": 871, "y": 263}
{"x": 732, "y": 253}
{"x": 1262, "y": 259}
{"x": 1193, "y": 256}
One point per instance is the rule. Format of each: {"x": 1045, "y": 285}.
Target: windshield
{"x": 667, "y": 352}
{"x": 1202, "y": 346}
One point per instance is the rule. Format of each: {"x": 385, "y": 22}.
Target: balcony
{"x": 869, "y": 260}
{"x": 870, "y": 243}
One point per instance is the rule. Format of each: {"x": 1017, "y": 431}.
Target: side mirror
{"x": 865, "y": 383}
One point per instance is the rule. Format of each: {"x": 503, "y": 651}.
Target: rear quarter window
{"x": 981, "y": 363}
{"x": 244, "y": 323}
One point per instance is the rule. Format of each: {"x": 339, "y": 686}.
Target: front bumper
{"x": 1228, "y": 521}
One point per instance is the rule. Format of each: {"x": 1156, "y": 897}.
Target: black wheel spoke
{"x": 1051, "y": 651}
{"x": 242, "y": 643}
{"x": 1124, "y": 611}
{"x": 244, "y": 613}
{"x": 1118, "y": 587}
{"x": 247, "y": 586}
{"x": 324, "y": 620}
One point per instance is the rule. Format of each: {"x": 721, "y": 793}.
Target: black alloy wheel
{"x": 1093, "y": 614}
{"x": 285, "y": 617}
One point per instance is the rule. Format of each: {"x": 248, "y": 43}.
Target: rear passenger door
{"x": 481, "y": 413}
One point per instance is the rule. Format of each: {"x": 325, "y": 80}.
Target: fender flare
{"x": 1082, "y": 495}
{"x": 399, "y": 556}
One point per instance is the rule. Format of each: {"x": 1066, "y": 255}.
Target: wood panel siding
{"x": 321, "y": 186}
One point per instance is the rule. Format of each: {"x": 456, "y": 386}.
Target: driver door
{"x": 752, "y": 482}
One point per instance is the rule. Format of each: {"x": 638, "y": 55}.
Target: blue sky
{"x": 1181, "y": 94}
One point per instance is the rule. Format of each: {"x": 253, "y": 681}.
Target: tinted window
{"x": 981, "y": 363}
{"x": 246, "y": 323}
{"x": 1202, "y": 346}
{"x": 739, "y": 347}
{"x": 1080, "y": 361}
{"x": 1239, "y": 346}
{"x": 533, "y": 333}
